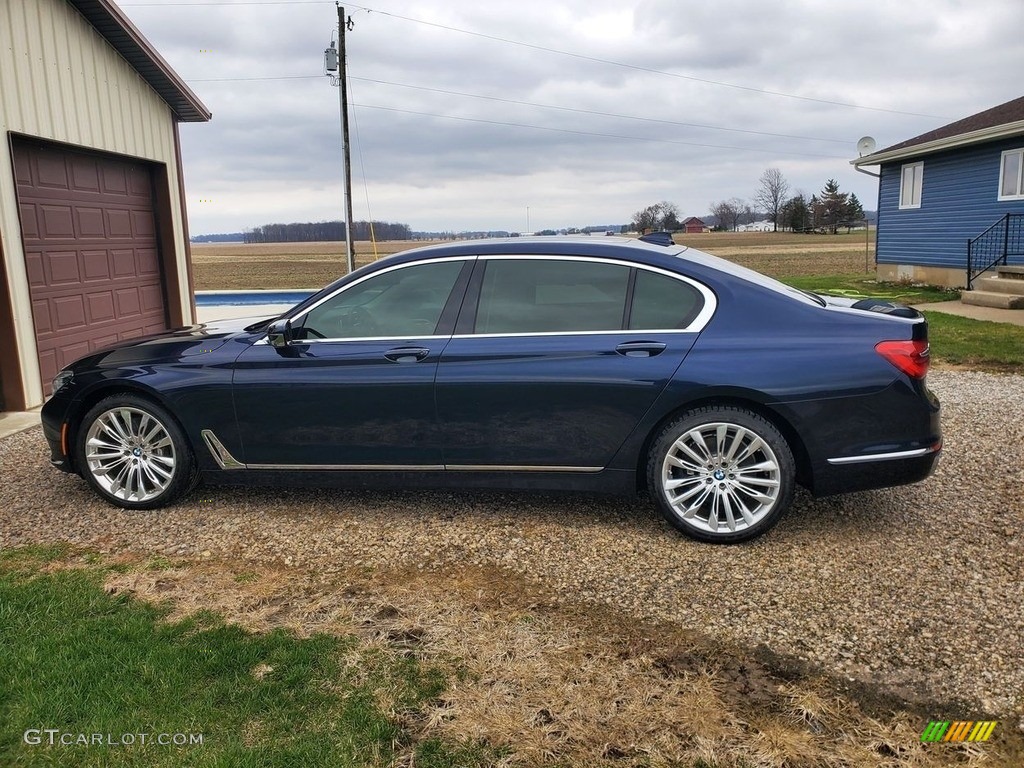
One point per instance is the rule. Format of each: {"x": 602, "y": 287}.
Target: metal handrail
{"x": 995, "y": 240}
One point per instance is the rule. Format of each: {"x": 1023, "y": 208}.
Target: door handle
{"x": 640, "y": 348}
{"x": 406, "y": 354}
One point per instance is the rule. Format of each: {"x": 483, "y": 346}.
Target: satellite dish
{"x": 865, "y": 146}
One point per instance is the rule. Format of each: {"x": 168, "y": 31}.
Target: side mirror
{"x": 279, "y": 334}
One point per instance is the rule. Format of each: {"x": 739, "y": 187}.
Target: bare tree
{"x": 663, "y": 215}
{"x": 647, "y": 219}
{"x": 771, "y": 194}
{"x": 669, "y": 216}
{"x": 728, "y": 212}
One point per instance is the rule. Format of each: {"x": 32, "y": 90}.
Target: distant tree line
{"x": 827, "y": 211}
{"x": 325, "y": 231}
{"x": 220, "y": 237}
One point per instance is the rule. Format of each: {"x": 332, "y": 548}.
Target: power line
{"x": 637, "y": 67}
{"x": 224, "y": 2}
{"x": 592, "y": 133}
{"x": 253, "y": 79}
{"x": 529, "y": 104}
{"x": 556, "y": 51}
{"x": 598, "y": 113}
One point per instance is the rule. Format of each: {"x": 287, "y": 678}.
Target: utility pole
{"x": 335, "y": 60}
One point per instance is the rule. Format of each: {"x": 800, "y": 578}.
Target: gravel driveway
{"x": 918, "y": 587}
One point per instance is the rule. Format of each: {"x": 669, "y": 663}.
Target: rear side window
{"x": 551, "y": 296}
{"x": 663, "y": 303}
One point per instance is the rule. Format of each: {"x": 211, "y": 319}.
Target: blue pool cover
{"x": 244, "y": 298}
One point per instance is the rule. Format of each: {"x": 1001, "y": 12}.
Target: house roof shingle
{"x": 116, "y": 28}
{"x": 1001, "y": 121}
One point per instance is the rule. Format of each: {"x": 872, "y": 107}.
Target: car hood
{"x": 175, "y": 345}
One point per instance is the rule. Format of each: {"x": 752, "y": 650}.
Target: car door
{"x": 557, "y": 358}
{"x": 353, "y": 387}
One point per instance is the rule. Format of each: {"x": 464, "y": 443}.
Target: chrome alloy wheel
{"x": 130, "y": 454}
{"x": 720, "y": 476}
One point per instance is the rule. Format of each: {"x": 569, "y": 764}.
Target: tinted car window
{"x": 542, "y": 296}
{"x": 661, "y": 302}
{"x": 403, "y": 302}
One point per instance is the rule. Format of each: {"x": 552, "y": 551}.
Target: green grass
{"x": 76, "y": 659}
{"x": 954, "y": 340}
{"x": 976, "y": 343}
{"x": 865, "y": 286}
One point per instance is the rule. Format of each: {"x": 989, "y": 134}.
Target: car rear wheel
{"x": 133, "y": 453}
{"x": 721, "y": 474}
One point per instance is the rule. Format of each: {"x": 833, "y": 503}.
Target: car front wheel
{"x": 133, "y": 453}
{"x": 721, "y": 474}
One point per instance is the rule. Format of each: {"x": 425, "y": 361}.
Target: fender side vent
{"x": 220, "y": 454}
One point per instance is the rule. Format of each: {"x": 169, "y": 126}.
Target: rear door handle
{"x": 406, "y": 354}
{"x": 640, "y": 348}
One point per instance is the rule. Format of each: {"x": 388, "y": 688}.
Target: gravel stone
{"x": 918, "y": 588}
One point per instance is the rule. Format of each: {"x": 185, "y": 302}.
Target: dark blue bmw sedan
{"x": 600, "y": 364}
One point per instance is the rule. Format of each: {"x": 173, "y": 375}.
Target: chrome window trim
{"x": 396, "y": 339}
{"x": 696, "y": 325}
{"x": 570, "y": 333}
{"x": 885, "y": 456}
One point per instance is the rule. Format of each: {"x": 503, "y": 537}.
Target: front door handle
{"x": 640, "y": 348}
{"x": 406, "y": 354}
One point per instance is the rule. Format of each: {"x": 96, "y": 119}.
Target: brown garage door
{"x": 89, "y": 232}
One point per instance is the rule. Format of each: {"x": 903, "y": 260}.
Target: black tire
{"x": 133, "y": 453}
{"x": 746, "y": 465}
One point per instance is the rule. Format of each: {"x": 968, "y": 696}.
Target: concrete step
{"x": 1000, "y": 285}
{"x": 992, "y": 299}
{"x": 1011, "y": 273}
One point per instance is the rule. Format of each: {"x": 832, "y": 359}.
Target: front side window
{"x": 1010, "y": 183}
{"x": 551, "y": 296}
{"x": 404, "y": 302}
{"x": 911, "y": 181}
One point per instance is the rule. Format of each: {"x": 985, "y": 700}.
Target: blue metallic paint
{"x": 536, "y": 400}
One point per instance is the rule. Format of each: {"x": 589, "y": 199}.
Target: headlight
{"x": 61, "y": 380}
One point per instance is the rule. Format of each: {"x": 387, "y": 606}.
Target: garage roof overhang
{"x": 115, "y": 27}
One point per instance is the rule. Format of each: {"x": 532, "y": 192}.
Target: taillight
{"x": 911, "y": 357}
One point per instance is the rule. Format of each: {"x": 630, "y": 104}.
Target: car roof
{"x": 554, "y": 245}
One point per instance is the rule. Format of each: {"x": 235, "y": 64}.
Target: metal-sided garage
{"x": 93, "y": 235}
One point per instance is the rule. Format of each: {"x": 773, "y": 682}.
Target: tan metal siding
{"x": 84, "y": 93}
{"x": 61, "y": 80}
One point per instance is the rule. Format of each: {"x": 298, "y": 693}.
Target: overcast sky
{"x": 725, "y": 89}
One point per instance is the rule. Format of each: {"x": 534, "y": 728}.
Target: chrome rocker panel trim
{"x": 225, "y": 460}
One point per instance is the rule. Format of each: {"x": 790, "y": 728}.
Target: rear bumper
{"x": 843, "y": 474}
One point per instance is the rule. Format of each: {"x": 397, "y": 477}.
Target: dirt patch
{"x": 555, "y": 682}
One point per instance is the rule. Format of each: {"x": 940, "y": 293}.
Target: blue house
{"x": 951, "y": 206}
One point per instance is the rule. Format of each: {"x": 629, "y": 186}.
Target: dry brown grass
{"x": 311, "y": 265}
{"x": 554, "y": 684}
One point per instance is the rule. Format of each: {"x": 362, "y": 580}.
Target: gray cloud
{"x": 272, "y": 151}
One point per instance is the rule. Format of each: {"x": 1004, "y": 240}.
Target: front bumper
{"x": 57, "y": 431}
